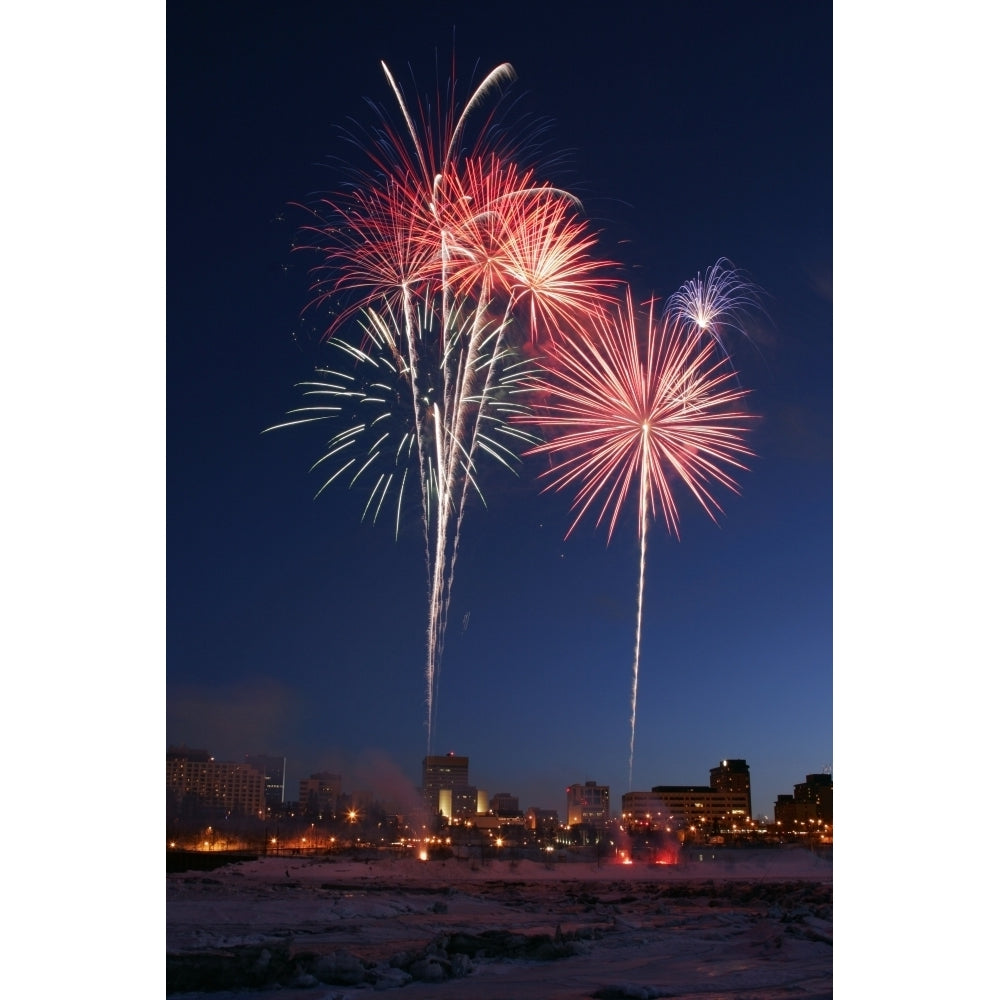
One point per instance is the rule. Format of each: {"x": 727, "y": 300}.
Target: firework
{"x": 448, "y": 251}
{"x": 720, "y": 301}
{"x": 375, "y": 438}
{"x": 624, "y": 419}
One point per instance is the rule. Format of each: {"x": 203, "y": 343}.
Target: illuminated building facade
{"x": 460, "y": 802}
{"x": 678, "y": 806}
{"x": 589, "y": 804}
{"x": 197, "y": 776}
{"x": 732, "y": 776}
{"x": 722, "y": 804}
{"x": 450, "y": 774}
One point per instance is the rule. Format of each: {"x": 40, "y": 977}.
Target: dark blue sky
{"x": 690, "y": 133}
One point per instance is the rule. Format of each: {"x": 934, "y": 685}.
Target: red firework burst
{"x": 433, "y": 214}
{"x": 524, "y": 239}
{"x": 619, "y": 416}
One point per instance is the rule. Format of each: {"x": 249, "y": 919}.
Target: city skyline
{"x": 388, "y": 791}
{"x": 291, "y": 622}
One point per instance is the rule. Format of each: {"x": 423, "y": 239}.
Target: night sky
{"x": 690, "y": 132}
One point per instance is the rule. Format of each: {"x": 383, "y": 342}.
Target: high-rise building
{"x": 588, "y": 803}
{"x": 449, "y": 773}
{"x": 812, "y": 801}
{"x": 196, "y": 776}
{"x": 273, "y": 769}
{"x": 319, "y": 793}
{"x": 818, "y": 789}
{"x": 732, "y": 776}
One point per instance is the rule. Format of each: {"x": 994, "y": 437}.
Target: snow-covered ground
{"x": 756, "y": 925}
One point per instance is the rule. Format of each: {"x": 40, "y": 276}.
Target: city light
{"x": 653, "y": 827}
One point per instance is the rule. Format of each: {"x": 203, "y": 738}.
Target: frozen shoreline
{"x": 754, "y": 926}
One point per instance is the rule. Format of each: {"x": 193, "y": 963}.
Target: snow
{"x": 753, "y": 924}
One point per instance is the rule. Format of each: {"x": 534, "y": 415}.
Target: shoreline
{"x": 756, "y": 926}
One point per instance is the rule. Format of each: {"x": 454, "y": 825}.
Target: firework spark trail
{"x": 444, "y": 249}
{"x": 616, "y": 415}
{"x": 369, "y": 398}
{"x": 643, "y": 528}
